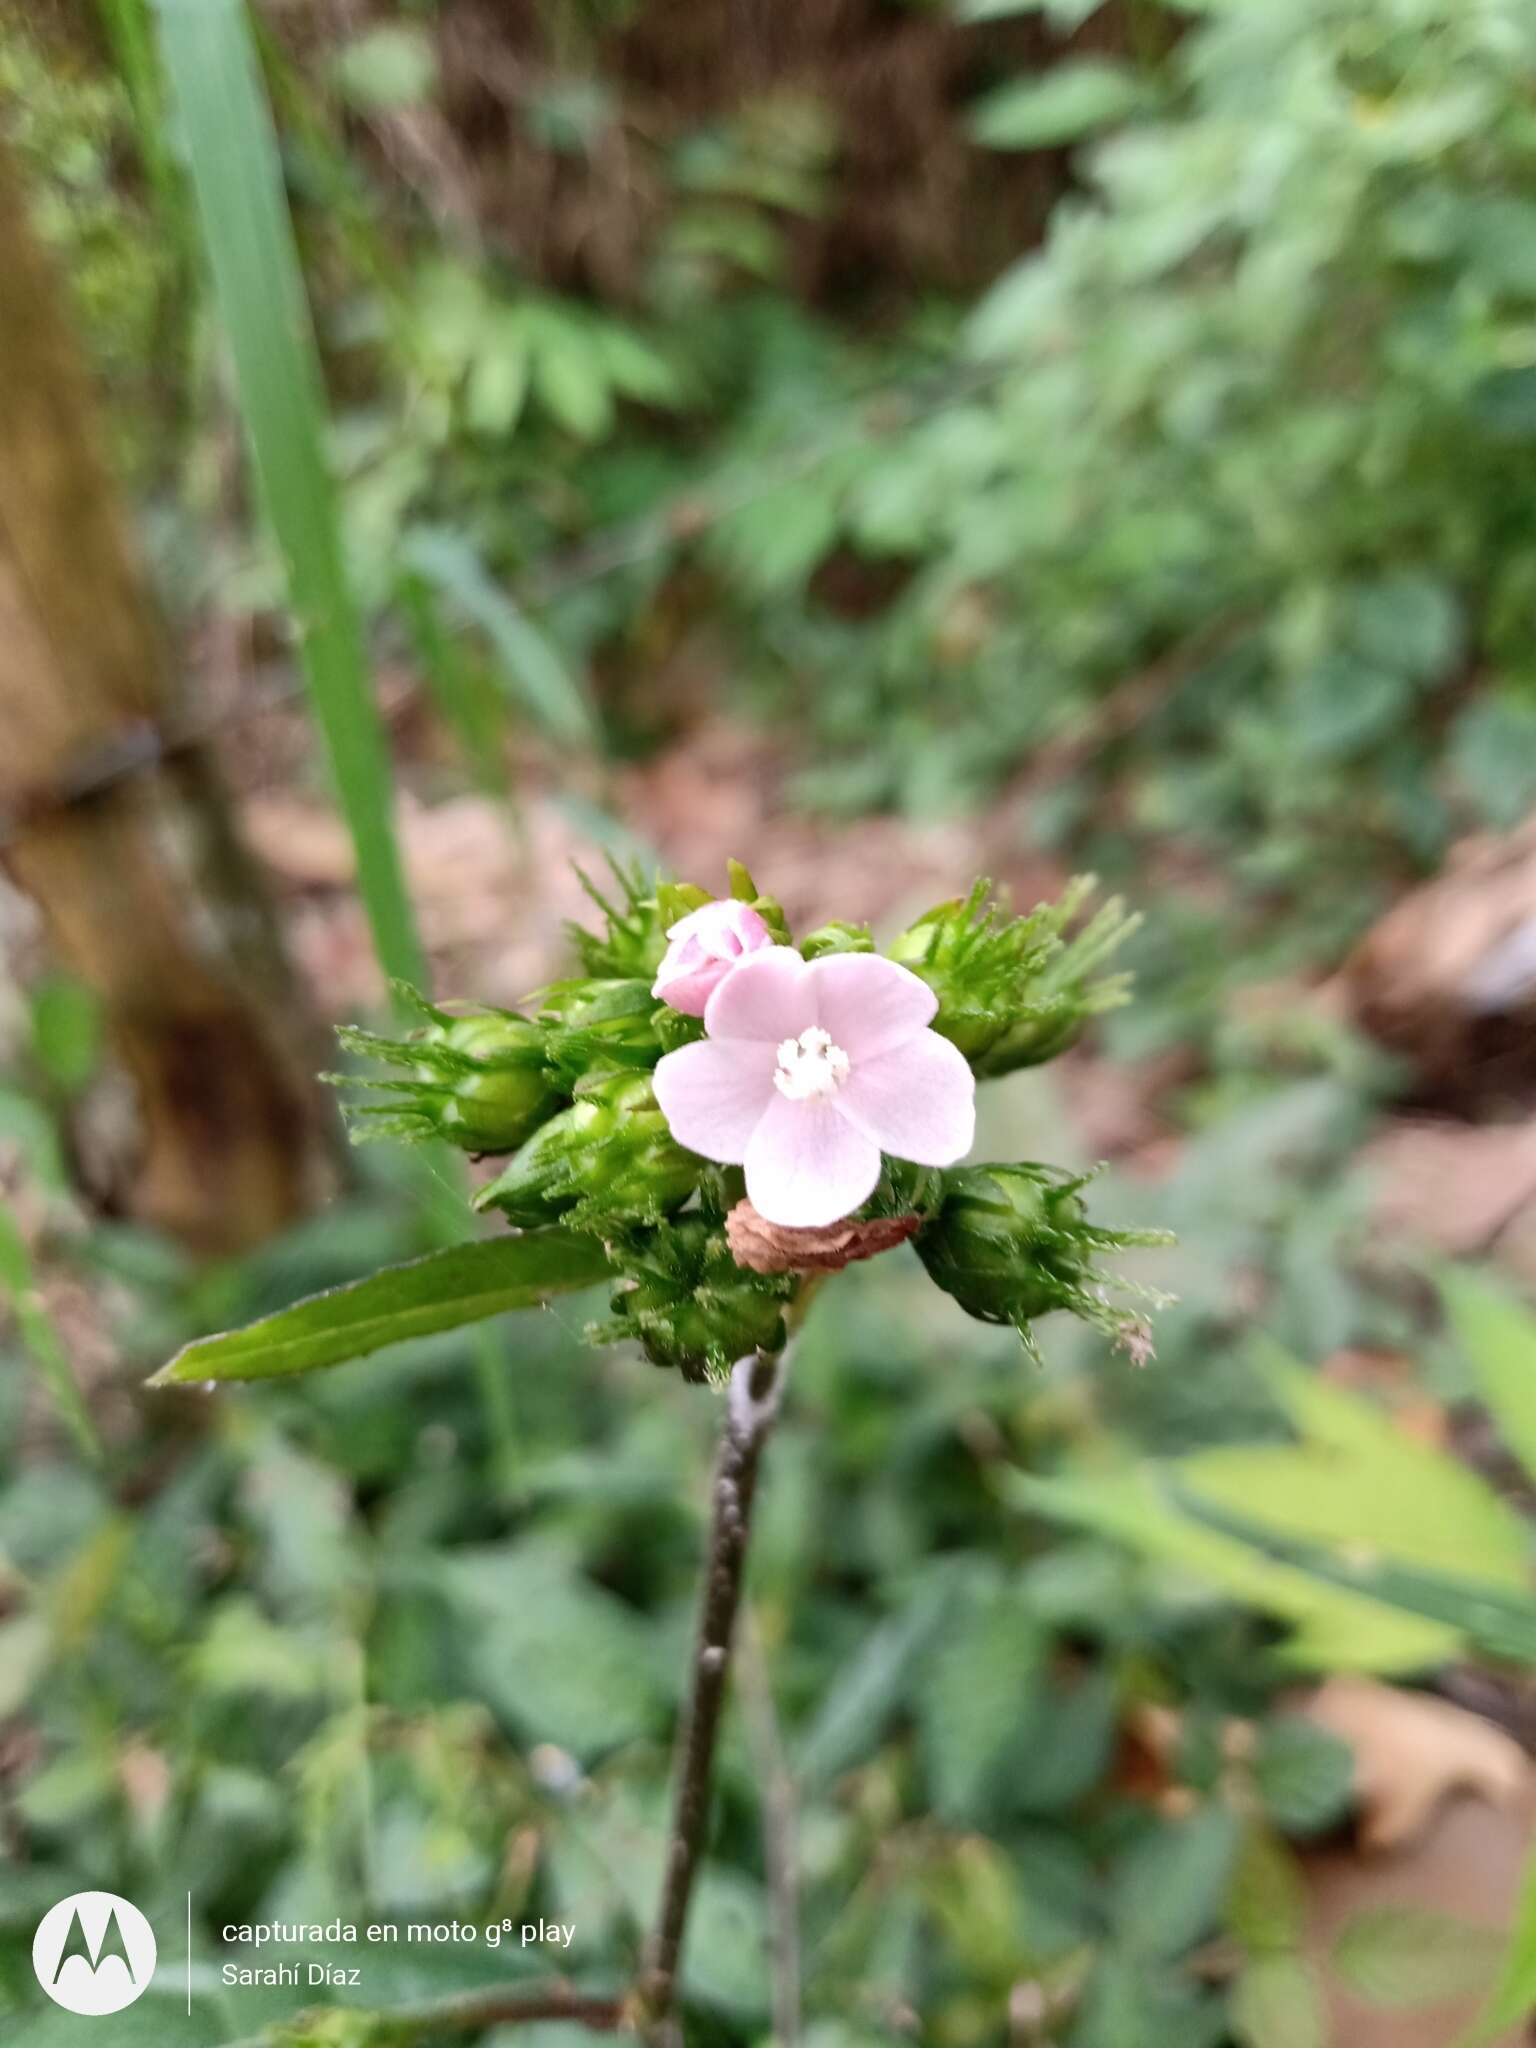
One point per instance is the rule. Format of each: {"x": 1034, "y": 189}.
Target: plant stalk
{"x": 751, "y": 1406}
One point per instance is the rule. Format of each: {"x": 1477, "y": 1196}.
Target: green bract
{"x": 1012, "y": 991}
{"x": 690, "y": 1305}
{"x": 608, "y": 1157}
{"x": 1012, "y": 1243}
{"x": 483, "y": 1081}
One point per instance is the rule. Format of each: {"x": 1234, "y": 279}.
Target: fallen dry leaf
{"x": 1450, "y": 1184}
{"x": 1411, "y": 1750}
{"x": 1452, "y": 954}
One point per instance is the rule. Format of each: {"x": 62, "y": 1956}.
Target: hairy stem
{"x": 751, "y": 1405}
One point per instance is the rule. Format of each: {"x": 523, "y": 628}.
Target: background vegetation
{"x": 877, "y": 439}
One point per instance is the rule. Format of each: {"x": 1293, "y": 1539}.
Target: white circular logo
{"x": 94, "y": 1953}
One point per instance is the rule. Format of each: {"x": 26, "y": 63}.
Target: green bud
{"x": 1012, "y": 991}
{"x": 482, "y": 1081}
{"x": 596, "y": 1023}
{"x": 1012, "y": 1243}
{"x": 608, "y": 1158}
{"x": 689, "y": 1305}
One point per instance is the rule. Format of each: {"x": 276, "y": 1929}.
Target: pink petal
{"x": 916, "y": 1102}
{"x": 713, "y": 1095}
{"x": 705, "y": 946}
{"x": 768, "y": 996}
{"x": 808, "y": 1165}
{"x": 869, "y": 1004}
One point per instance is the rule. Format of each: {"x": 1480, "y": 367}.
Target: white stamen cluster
{"x": 810, "y": 1067}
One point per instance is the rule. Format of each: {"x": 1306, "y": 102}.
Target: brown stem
{"x": 751, "y": 1404}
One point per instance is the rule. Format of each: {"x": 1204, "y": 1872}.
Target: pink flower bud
{"x": 705, "y": 946}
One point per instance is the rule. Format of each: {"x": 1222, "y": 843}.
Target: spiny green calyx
{"x": 1013, "y": 1243}
{"x": 608, "y": 1157}
{"x": 1013, "y": 991}
{"x": 634, "y": 938}
{"x": 482, "y": 1081}
{"x": 689, "y": 1304}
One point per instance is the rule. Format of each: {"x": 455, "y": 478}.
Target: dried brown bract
{"x": 766, "y": 1247}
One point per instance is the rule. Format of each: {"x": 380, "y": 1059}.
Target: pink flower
{"x": 810, "y": 1071}
{"x": 706, "y": 945}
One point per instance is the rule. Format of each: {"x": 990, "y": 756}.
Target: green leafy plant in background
{"x": 1232, "y": 519}
{"x": 1379, "y": 1553}
{"x": 331, "y": 1660}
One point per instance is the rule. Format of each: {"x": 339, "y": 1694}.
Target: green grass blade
{"x": 1497, "y": 1335}
{"x": 442, "y": 1291}
{"x": 127, "y": 27}
{"x": 231, "y": 151}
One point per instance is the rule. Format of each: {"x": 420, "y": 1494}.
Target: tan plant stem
{"x": 751, "y": 1405}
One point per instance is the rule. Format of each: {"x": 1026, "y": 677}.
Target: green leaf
{"x": 1407, "y": 623}
{"x": 1276, "y": 2004}
{"x": 66, "y": 1031}
{"x": 1338, "y": 1629}
{"x": 572, "y": 380}
{"x": 1168, "y": 1890}
{"x": 386, "y": 68}
{"x": 1403, "y": 1956}
{"x": 978, "y": 1685}
{"x": 464, "y": 1284}
{"x": 1267, "y": 1898}
{"x": 1303, "y": 1774}
{"x": 1497, "y": 1335}
{"x": 498, "y": 379}
{"x": 1069, "y": 101}
{"x": 864, "y": 1696}
{"x": 1501, "y": 1623}
{"x": 1358, "y": 1481}
{"x": 248, "y": 240}
{"x": 561, "y": 1659}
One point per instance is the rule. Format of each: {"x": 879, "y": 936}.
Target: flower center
{"x": 810, "y": 1067}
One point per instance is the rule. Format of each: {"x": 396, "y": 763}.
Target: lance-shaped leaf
{"x": 446, "y": 1289}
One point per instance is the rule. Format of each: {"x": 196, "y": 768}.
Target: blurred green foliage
{"x": 360, "y": 1646}
{"x": 1221, "y": 498}
{"x": 1246, "y": 437}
